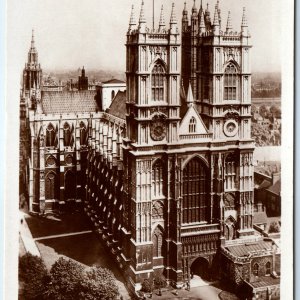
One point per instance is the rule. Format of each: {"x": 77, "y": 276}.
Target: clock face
{"x": 158, "y": 130}
{"x": 230, "y": 128}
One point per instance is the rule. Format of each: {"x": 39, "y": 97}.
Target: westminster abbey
{"x": 166, "y": 173}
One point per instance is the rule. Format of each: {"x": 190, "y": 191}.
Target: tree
{"x": 34, "y": 276}
{"x": 99, "y": 283}
{"x": 263, "y": 110}
{"x": 274, "y": 227}
{"x": 66, "y": 279}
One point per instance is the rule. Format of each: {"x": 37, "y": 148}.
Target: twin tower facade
{"x": 173, "y": 182}
{"x": 188, "y": 154}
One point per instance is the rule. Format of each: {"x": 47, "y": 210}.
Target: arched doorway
{"x": 200, "y": 267}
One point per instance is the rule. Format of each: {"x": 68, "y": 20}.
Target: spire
{"x": 132, "y": 21}
{"x": 202, "y": 24}
{"x": 185, "y": 20}
{"x": 184, "y": 12}
{"x": 32, "y": 40}
{"x": 173, "y": 19}
{"x": 200, "y": 10}
{"x": 219, "y": 12}
{"x": 229, "y": 24}
{"x": 190, "y": 98}
{"x": 216, "y": 17}
{"x": 244, "y": 18}
{"x": 162, "y": 22}
{"x": 194, "y": 9}
{"x": 142, "y": 20}
{"x": 244, "y": 26}
{"x": 207, "y": 16}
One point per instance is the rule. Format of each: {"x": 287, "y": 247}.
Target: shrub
{"x": 66, "y": 278}
{"x": 34, "y": 276}
{"x": 99, "y": 283}
{"x": 147, "y": 286}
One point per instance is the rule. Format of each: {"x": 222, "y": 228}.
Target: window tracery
{"x": 230, "y": 82}
{"x": 158, "y": 83}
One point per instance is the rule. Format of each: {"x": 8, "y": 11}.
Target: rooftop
{"x": 69, "y": 102}
{"x": 275, "y": 188}
{"x": 263, "y": 281}
{"x": 114, "y": 81}
{"x": 245, "y": 249}
{"x": 118, "y": 105}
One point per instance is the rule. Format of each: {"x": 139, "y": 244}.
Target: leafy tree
{"x": 66, "y": 279}
{"x": 147, "y": 286}
{"x": 99, "y": 283}
{"x": 274, "y": 227}
{"x": 275, "y": 111}
{"x": 34, "y": 275}
{"x": 263, "y": 111}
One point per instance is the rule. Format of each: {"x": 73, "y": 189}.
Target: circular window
{"x": 230, "y": 128}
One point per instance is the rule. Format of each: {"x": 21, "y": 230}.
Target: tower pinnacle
{"x": 194, "y": 9}
{"x": 32, "y": 40}
{"x": 162, "y": 22}
{"x": 202, "y": 24}
{"x": 229, "y": 24}
{"x": 244, "y": 26}
{"x": 132, "y": 21}
{"x": 142, "y": 20}
{"x": 173, "y": 19}
{"x": 190, "y": 98}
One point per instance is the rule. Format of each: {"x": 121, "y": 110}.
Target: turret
{"x": 173, "y": 21}
{"x": 132, "y": 21}
{"x": 142, "y": 20}
{"x": 216, "y": 24}
{"x": 185, "y": 20}
{"x": 229, "y": 24}
{"x": 202, "y": 24}
{"x": 162, "y": 23}
{"x": 32, "y": 54}
{"x": 207, "y": 18}
{"x": 194, "y": 19}
{"x": 244, "y": 26}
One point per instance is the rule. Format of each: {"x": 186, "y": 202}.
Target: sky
{"x": 70, "y": 34}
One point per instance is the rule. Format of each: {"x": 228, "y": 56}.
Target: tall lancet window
{"x": 50, "y": 136}
{"x": 230, "y": 82}
{"x": 157, "y": 179}
{"x": 230, "y": 173}
{"x": 158, "y": 83}
{"x": 83, "y": 134}
{"x": 67, "y": 135}
{"x": 192, "y": 125}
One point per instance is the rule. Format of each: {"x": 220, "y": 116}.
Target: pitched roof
{"x": 275, "y": 188}
{"x": 260, "y": 218}
{"x": 69, "y": 102}
{"x": 114, "y": 81}
{"x": 118, "y": 105}
{"x": 245, "y": 249}
{"x": 264, "y": 184}
{"x": 263, "y": 281}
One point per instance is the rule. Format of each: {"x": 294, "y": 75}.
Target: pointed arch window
{"x": 230, "y": 82}
{"x": 51, "y": 186}
{"x": 195, "y": 192}
{"x": 157, "y": 179}
{"x": 230, "y": 173}
{"x": 192, "y": 125}
{"x": 157, "y": 239}
{"x": 67, "y": 135}
{"x": 83, "y": 134}
{"x": 50, "y": 136}
{"x": 158, "y": 83}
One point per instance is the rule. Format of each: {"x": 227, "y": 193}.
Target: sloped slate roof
{"x": 275, "y": 188}
{"x": 114, "y": 81}
{"x": 118, "y": 105}
{"x": 69, "y": 102}
{"x": 243, "y": 250}
{"x": 263, "y": 281}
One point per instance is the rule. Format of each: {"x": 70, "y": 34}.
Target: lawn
{"x": 46, "y": 226}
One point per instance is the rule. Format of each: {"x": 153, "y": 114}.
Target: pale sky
{"x": 70, "y": 34}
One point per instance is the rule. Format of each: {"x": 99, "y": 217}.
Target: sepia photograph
{"x": 153, "y": 142}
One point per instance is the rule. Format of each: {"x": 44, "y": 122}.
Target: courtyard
{"x": 70, "y": 236}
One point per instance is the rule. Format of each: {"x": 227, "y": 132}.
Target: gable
{"x": 199, "y": 125}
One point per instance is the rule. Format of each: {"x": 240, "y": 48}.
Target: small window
{"x": 192, "y": 125}
{"x": 83, "y": 134}
{"x": 50, "y": 136}
{"x": 255, "y": 269}
{"x": 268, "y": 268}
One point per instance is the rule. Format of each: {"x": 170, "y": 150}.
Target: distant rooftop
{"x": 69, "y": 102}
{"x": 263, "y": 281}
{"x": 113, "y": 81}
